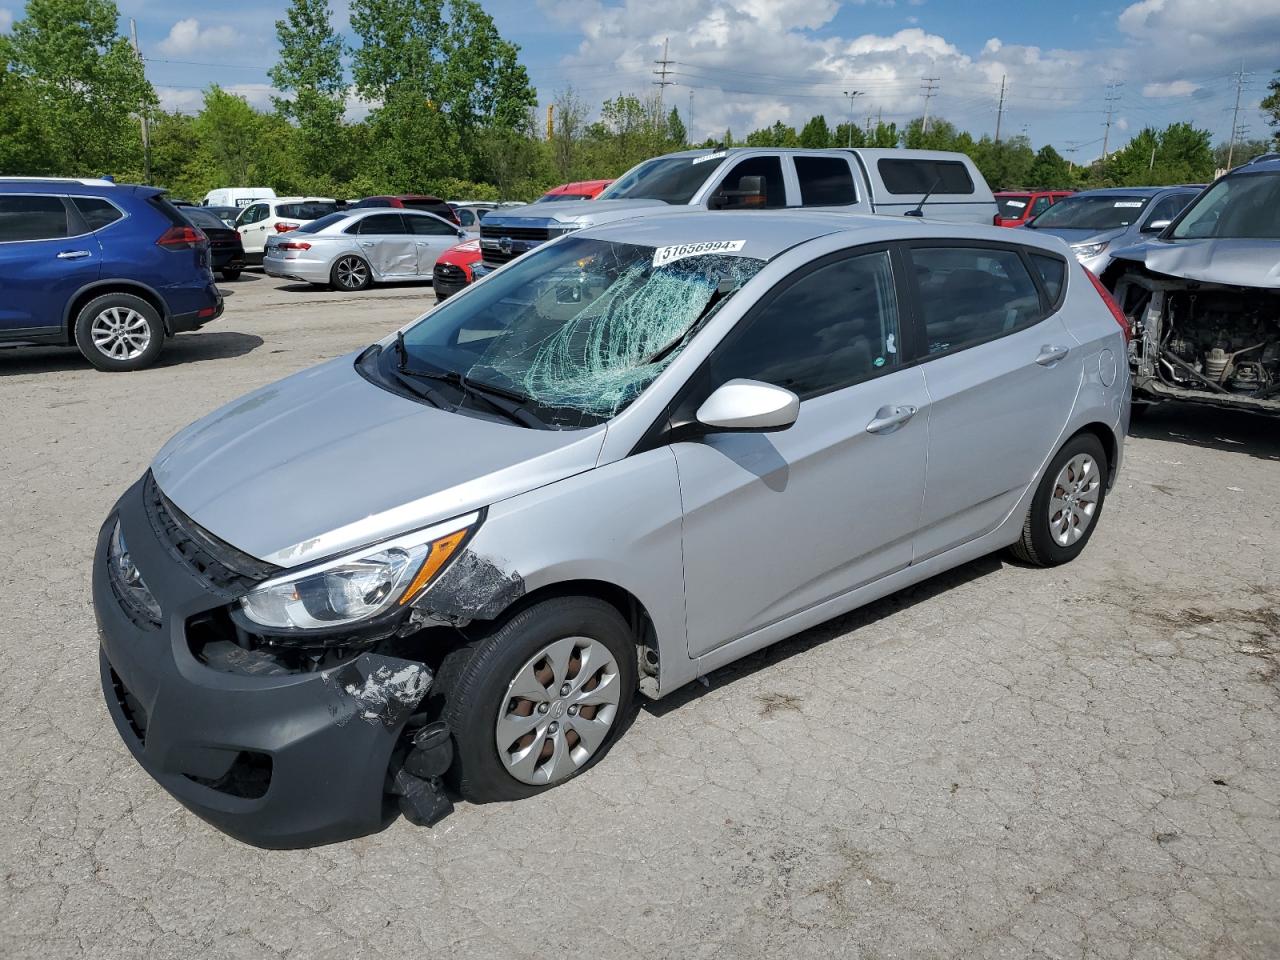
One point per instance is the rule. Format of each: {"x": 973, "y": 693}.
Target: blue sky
{"x": 748, "y": 63}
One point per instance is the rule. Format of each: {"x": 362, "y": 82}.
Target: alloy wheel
{"x": 352, "y": 273}
{"x": 1074, "y": 500}
{"x": 558, "y": 711}
{"x": 120, "y": 333}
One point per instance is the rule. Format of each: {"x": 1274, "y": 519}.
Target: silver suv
{"x": 634, "y": 456}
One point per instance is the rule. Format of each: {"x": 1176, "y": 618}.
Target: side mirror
{"x": 462, "y": 234}
{"x": 749, "y": 406}
{"x": 750, "y": 193}
{"x": 1155, "y": 226}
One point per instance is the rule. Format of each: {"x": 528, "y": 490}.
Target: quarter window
{"x": 32, "y": 218}
{"x": 970, "y": 294}
{"x": 97, "y": 213}
{"x": 829, "y": 329}
{"x": 1053, "y": 272}
{"x": 730, "y": 196}
{"x": 825, "y": 181}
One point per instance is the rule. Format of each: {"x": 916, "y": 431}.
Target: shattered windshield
{"x": 1091, "y": 213}
{"x": 576, "y": 330}
{"x": 669, "y": 179}
{"x": 1244, "y": 205}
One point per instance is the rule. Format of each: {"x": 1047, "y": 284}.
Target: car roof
{"x": 295, "y": 200}
{"x": 1133, "y": 191}
{"x": 359, "y": 213}
{"x": 767, "y": 234}
{"x": 75, "y": 188}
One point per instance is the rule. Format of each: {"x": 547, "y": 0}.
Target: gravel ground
{"x": 1001, "y": 762}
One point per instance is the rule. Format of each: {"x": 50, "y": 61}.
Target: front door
{"x": 253, "y": 225}
{"x": 775, "y": 523}
{"x": 385, "y": 241}
{"x": 1002, "y": 379}
{"x": 432, "y": 236}
{"x": 41, "y": 267}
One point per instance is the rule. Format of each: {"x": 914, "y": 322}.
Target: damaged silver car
{"x": 1204, "y": 297}
{"x": 446, "y": 565}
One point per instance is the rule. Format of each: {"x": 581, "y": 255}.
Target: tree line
{"x": 451, "y": 111}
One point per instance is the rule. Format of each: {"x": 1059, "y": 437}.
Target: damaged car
{"x": 1203, "y": 297}
{"x": 446, "y": 565}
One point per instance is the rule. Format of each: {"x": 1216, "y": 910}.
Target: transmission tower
{"x": 664, "y": 69}
{"x": 928, "y": 85}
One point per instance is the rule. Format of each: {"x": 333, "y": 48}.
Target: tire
{"x": 476, "y": 681}
{"x": 118, "y": 332}
{"x": 1056, "y": 532}
{"x": 350, "y": 273}
{"x": 231, "y": 273}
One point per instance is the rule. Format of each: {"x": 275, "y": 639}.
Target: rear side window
{"x": 827, "y": 330}
{"x": 971, "y": 294}
{"x": 381, "y": 224}
{"x": 97, "y": 213}
{"x": 309, "y": 210}
{"x": 1053, "y": 272}
{"x": 919, "y": 176}
{"x": 825, "y": 181}
{"x": 315, "y": 226}
{"x": 32, "y": 218}
{"x": 431, "y": 227}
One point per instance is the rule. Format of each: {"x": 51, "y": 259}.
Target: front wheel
{"x": 350, "y": 273}
{"x": 1066, "y": 505}
{"x": 538, "y": 699}
{"x": 119, "y": 332}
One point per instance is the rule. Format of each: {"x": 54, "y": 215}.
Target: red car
{"x": 410, "y": 201}
{"x": 582, "y": 190}
{"x": 453, "y": 270}
{"x": 1018, "y": 206}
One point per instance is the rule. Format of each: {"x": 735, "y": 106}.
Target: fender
{"x": 113, "y": 283}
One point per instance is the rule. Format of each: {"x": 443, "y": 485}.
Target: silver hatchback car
{"x": 351, "y": 250}
{"x": 630, "y": 457}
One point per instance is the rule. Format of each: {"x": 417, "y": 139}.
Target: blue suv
{"x": 110, "y": 269}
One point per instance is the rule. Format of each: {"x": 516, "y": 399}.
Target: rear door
{"x": 432, "y": 237}
{"x": 385, "y": 241}
{"x": 1002, "y": 373}
{"x": 829, "y": 181}
{"x": 47, "y": 254}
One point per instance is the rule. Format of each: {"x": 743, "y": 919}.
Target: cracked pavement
{"x": 1000, "y": 762}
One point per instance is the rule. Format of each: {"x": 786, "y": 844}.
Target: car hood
{"x": 1238, "y": 262}
{"x": 573, "y": 211}
{"x": 325, "y": 461}
{"x": 1081, "y": 236}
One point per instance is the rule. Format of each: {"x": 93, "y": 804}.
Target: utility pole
{"x": 146, "y": 126}
{"x": 1241, "y": 79}
{"x": 664, "y": 68}
{"x": 689, "y": 125}
{"x": 851, "y": 94}
{"x": 551, "y": 120}
{"x": 928, "y": 86}
{"x": 1000, "y": 109}
{"x": 868, "y": 126}
{"x": 1112, "y": 95}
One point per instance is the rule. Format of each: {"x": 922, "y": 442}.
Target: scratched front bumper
{"x": 287, "y": 760}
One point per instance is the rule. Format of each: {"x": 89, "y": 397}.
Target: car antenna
{"x": 919, "y": 210}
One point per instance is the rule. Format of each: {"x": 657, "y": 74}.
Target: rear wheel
{"x": 231, "y": 273}
{"x": 119, "y": 332}
{"x": 350, "y": 273}
{"x": 1066, "y": 505}
{"x": 538, "y": 699}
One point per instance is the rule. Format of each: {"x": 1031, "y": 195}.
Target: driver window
{"x": 730, "y": 194}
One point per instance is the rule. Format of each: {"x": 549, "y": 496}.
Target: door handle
{"x": 74, "y": 254}
{"x": 889, "y": 418}
{"x": 1050, "y": 355}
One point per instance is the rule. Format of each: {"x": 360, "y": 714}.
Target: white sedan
{"x": 353, "y": 249}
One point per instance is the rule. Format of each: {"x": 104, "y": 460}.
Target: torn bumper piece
{"x": 277, "y": 761}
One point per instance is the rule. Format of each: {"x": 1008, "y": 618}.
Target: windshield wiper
{"x": 722, "y": 290}
{"x": 513, "y": 410}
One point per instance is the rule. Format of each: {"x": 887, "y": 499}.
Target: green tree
{"x": 1049, "y": 169}
{"x": 778, "y": 135}
{"x": 310, "y": 70}
{"x": 816, "y": 133}
{"x": 229, "y": 129}
{"x": 1242, "y": 152}
{"x": 22, "y": 146}
{"x": 82, "y": 83}
{"x": 883, "y": 135}
{"x": 940, "y": 135}
{"x": 1271, "y": 104}
{"x": 565, "y": 144}
{"x": 1005, "y": 164}
{"x": 1177, "y": 154}
{"x": 848, "y": 135}
{"x": 676, "y": 132}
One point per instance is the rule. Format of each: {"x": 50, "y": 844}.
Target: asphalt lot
{"x": 1001, "y": 762}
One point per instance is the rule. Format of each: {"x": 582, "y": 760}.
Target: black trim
{"x": 25, "y": 334}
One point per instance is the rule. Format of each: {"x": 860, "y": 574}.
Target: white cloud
{"x": 6, "y": 19}
{"x": 1173, "y": 88}
{"x": 188, "y": 37}
{"x": 1210, "y": 34}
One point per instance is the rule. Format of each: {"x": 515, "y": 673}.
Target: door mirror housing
{"x": 750, "y": 193}
{"x": 749, "y": 406}
{"x": 1155, "y": 226}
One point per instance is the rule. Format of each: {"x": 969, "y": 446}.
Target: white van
{"x": 236, "y": 196}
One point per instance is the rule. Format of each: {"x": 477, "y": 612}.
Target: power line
{"x": 928, "y": 85}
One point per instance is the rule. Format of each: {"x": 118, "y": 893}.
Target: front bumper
{"x": 281, "y": 760}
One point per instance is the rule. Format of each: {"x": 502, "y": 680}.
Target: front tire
{"x": 1066, "y": 505}
{"x": 118, "y": 332}
{"x": 350, "y": 273}
{"x": 538, "y": 699}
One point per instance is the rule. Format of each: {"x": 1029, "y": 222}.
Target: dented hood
{"x": 325, "y": 461}
{"x": 1244, "y": 263}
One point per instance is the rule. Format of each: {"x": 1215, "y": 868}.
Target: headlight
{"x": 356, "y": 587}
{"x": 1084, "y": 251}
{"x": 127, "y": 580}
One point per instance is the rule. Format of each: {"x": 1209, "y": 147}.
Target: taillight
{"x": 995, "y": 221}
{"x": 1111, "y": 305}
{"x": 285, "y": 227}
{"x": 182, "y": 238}
{"x": 293, "y": 245}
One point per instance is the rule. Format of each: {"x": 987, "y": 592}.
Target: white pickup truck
{"x": 891, "y": 182}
